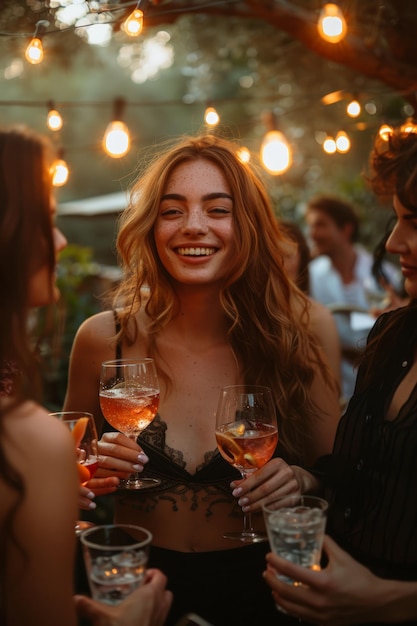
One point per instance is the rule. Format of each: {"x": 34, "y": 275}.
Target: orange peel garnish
{"x": 83, "y": 473}
{"x": 79, "y": 429}
{"x": 230, "y": 447}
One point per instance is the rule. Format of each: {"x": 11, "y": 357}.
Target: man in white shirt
{"x": 341, "y": 276}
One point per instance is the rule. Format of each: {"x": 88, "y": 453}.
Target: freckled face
{"x": 403, "y": 241}
{"x": 194, "y": 231}
{"x": 41, "y": 280}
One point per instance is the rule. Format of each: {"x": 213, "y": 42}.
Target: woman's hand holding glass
{"x": 119, "y": 456}
{"x": 96, "y": 487}
{"x": 275, "y": 479}
{"x": 246, "y": 435}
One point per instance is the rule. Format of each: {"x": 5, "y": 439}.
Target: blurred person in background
{"x": 297, "y": 264}
{"x": 341, "y": 276}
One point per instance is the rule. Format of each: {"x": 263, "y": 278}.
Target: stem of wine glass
{"x": 247, "y": 518}
{"x": 247, "y": 524}
{"x": 134, "y": 476}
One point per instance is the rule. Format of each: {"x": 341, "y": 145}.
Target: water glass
{"x": 295, "y": 527}
{"x": 116, "y": 558}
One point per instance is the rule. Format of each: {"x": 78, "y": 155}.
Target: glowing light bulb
{"x": 353, "y": 109}
{"x": 409, "y": 126}
{"x": 34, "y": 51}
{"x": 331, "y": 24}
{"x": 54, "y": 120}
{"x": 342, "y": 142}
{"x": 275, "y": 152}
{"x": 385, "y": 131}
{"x": 211, "y": 117}
{"x": 329, "y": 145}
{"x": 60, "y": 173}
{"x": 116, "y": 140}
{"x": 133, "y": 25}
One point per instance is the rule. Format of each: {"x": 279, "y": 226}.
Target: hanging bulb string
{"x": 133, "y": 25}
{"x": 117, "y": 8}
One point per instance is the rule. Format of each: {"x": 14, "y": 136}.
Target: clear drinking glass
{"x": 115, "y": 558}
{"x": 296, "y": 526}
{"x": 83, "y": 429}
{"x": 246, "y": 435}
{"x": 129, "y": 400}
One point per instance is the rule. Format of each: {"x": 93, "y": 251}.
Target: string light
{"x": 385, "y": 131}
{"x": 333, "y": 97}
{"x": 211, "y": 117}
{"x": 116, "y": 140}
{"x": 353, "y": 108}
{"x": 275, "y": 152}
{"x": 118, "y": 133}
{"x": 342, "y": 142}
{"x": 331, "y": 24}
{"x": 133, "y": 25}
{"x": 59, "y": 171}
{"x": 329, "y": 145}
{"x": 54, "y": 119}
{"x": 34, "y": 51}
{"x": 409, "y": 126}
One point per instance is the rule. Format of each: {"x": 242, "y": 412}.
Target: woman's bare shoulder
{"x": 320, "y": 314}
{"x": 41, "y": 451}
{"x": 96, "y": 334}
{"x": 102, "y": 322}
{"x": 37, "y": 442}
{"x": 29, "y": 421}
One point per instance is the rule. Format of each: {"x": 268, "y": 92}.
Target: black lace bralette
{"x": 168, "y": 463}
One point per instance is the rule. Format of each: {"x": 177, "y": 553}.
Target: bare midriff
{"x": 185, "y": 521}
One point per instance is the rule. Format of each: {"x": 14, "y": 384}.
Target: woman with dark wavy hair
{"x": 205, "y": 292}
{"x": 370, "y": 480}
{"x": 39, "y": 489}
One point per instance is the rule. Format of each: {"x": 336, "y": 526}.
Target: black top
{"x": 371, "y": 478}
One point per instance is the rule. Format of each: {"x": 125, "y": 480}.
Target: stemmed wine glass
{"x": 246, "y": 435}
{"x": 83, "y": 430}
{"x": 129, "y": 400}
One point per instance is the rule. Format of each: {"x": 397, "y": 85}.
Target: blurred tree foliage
{"x": 246, "y": 57}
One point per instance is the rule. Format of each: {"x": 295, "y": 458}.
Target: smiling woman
{"x": 218, "y": 309}
{"x": 194, "y": 232}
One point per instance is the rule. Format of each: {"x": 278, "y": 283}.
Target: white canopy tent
{"x": 96, "y": 205}
{"x": 92, "y": 222}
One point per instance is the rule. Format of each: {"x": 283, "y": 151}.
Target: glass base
{"x": 247, "y": 536}
{"x": 139, "y": 483}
